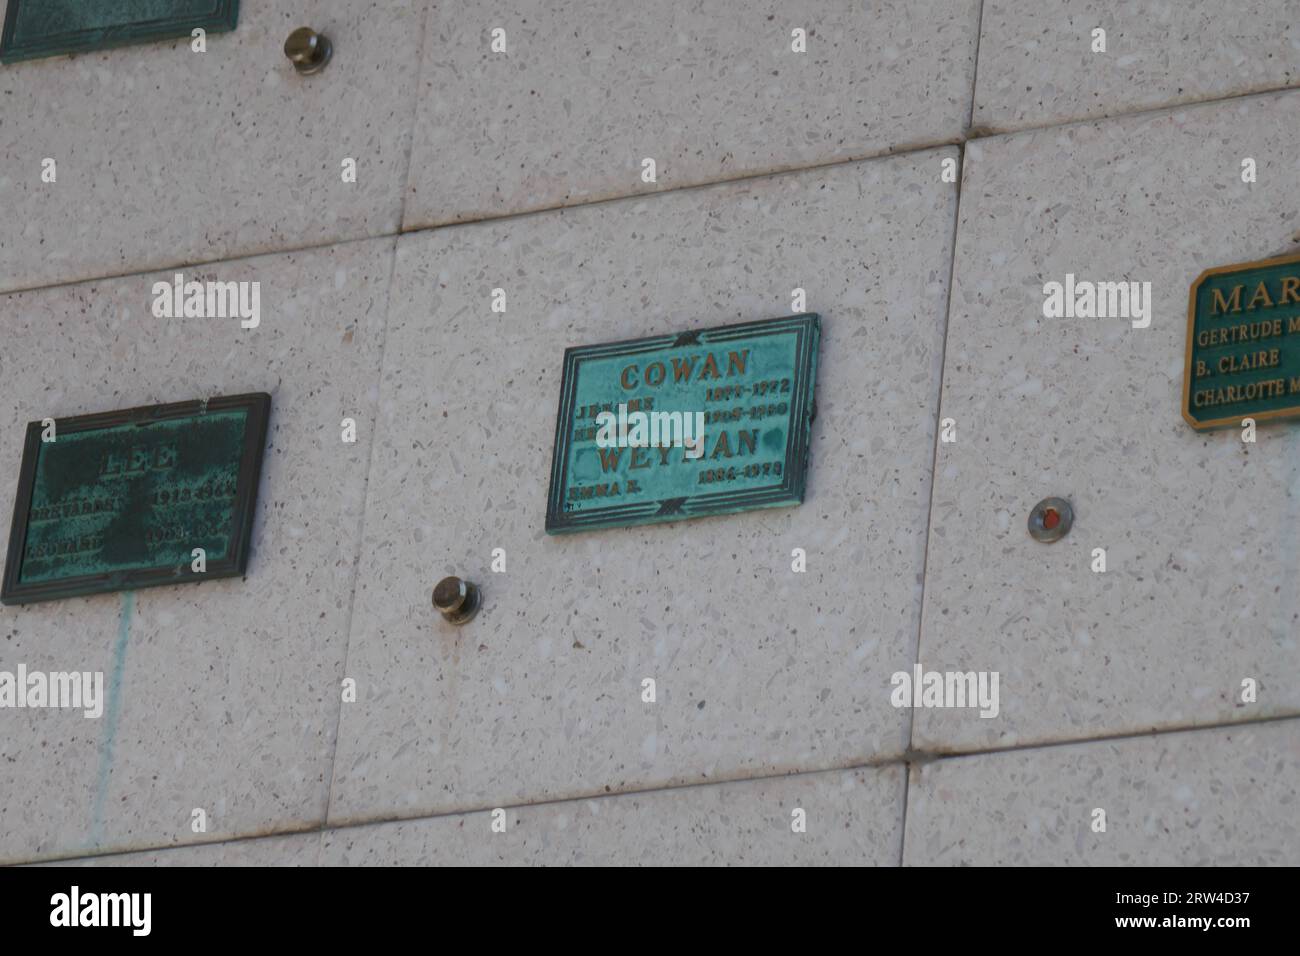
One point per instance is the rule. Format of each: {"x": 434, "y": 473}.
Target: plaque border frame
{"x": 1216, "y": 423}
{"x": 234, "y": 564}
{"x": 793, "y": 486}
{"x": 223, "y": 18}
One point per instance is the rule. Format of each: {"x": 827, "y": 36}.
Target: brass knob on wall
{"x": 308, "y": 50}
{"x": 456, "y": 600}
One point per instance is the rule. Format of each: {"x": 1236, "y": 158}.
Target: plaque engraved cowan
{"x": 1243, "y": 344}
{"x": 121, "y": 499}
{"x": 751, "y": 386}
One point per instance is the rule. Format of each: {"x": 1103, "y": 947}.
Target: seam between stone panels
{"x": 766, "y": 172}
{"x": 904, "y": 761}
{"x": 975, "y": 71}
{"x": 934, "y": 464}
{"x": 902, "y": 149}
{"x": 365, "y": 511}
{"x": 938, "y": 419}
{"x": 907, "y": 149}
{"x": 902, "y": 826}
{"x": 936, "y": 756}
{"x": 999, "y": 130}
{"x": 898, "y": 151}
{"x": 199, "y": 263}
{"x": 987, "y": 132}
{"x": 415, "y": 117}
{"x": 110, "y": 855}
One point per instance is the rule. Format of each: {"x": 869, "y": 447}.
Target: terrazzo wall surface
{"x": 920, "y": 171}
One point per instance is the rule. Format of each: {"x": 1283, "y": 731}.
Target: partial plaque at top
{"x": 129, "y": 499}
{"x": 706, "y": 422}
{"x": 1243, "y": 344}
{"x": 37, "y": 28}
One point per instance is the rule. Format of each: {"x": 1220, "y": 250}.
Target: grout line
{"x": 907, "y": 149}
{"x": 361, "y": 521}
{"x": 200, "y": 263}
{"x": 987, "y": 132}
{"x": 405, "y": 184}
{"x": 975, "y": 72}
{"x": 902, "y": 828}
{"x": 905, "y": 760}
{"x": 943, "y": 365}
{"x": 933, "y": 756}
{"x": 766, "y": 172}
{"x": 934, "y": 461}
{"x": 374, "y": 424}
{"x": 902, "y": 149}
{"x": 938, "y": 419}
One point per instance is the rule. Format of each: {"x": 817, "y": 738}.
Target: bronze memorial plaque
{"x": 129, "y": 499}
{"x": 39, "y": 28}
{"x": 709, "y": 421}
{"x": 1243, "y": 344}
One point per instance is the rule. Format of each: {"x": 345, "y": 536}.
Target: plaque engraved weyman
{"x": 122, "y": 500}
{"x": 750, "y": 388}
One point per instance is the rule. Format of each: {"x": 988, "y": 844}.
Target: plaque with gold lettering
{"x": 128, "y": 499}
{"x": 705, "y": 422}
{"x": 1243, "y": 344}
{"x": 38, "y": 28}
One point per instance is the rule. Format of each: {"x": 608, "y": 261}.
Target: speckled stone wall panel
{"x": 852, "y": 817}
{"x": 1220, "y": 797}
{"x": 222, "y": 695}
{"x": 759, "y": 669}
{"x": 588, "y": 89}
{"x": 1202, "y": 561}
{"x": 166, "y": 156}
{"x": 1037, "y": 66}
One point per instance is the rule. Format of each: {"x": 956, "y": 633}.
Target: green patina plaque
{"x": 742, "y": 397}
{"x": 1243, "y": 344}
{"x": 120, "y": 500}
{"x": 37, "y": 28}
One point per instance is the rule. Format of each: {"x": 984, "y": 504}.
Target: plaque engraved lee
{"x": 121, "y": 500}
{"x": 1243, "y": 344}
{"x": 751, "y": 388}
{"x": 38, "y": 28}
